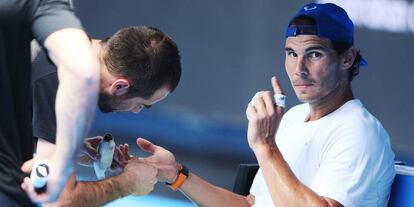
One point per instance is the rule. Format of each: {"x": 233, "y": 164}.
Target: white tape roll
{"x": 280, "y": 100}
{"x": 40, "y": 174}
{"x": 106, "y": 150}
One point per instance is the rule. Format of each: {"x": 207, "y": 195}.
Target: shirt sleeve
{"x": 45, "y": 84}
{"x": 51, "y": 16}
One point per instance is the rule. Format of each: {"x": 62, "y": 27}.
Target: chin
{"x": 304, "y": 98}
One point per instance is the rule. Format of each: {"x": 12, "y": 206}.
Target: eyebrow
{"x": 288, "y": 49}
{"x": 316, "y": 48}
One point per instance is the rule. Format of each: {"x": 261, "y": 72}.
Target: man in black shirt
{"x": 139, "y": 67}
{"x": 54, "y": 25}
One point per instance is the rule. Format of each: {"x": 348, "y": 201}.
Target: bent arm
{"x": 78, "y": 71}
{"x": 205, "y": 194}
{"x": 194, "y": 187}
{"x": 94, "y": 193}
{"x": 285, "y": 189}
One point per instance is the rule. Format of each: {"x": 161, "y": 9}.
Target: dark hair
{"x": 146, "y": 57}
{"x": 339, "y": 47}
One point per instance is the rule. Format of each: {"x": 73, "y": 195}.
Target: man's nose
{"x": 301, "y": 69}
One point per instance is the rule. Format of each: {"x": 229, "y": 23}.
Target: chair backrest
{"x": 244, "y": 178}
{"x": 402, "y": 190}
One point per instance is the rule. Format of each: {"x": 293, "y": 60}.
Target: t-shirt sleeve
{"x": 45, "y": 84}
{"x": 51, "y": 16}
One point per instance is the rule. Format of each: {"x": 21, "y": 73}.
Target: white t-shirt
{"x": 345, "y": 155}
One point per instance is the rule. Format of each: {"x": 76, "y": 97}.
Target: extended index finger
{"x": 277, "y": 88}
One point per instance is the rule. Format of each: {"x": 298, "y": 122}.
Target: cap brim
{"x": 363, "y": 63}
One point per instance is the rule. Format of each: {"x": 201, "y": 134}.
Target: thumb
{"x": 27, "y": 166}
{"x": 146, "y": 145}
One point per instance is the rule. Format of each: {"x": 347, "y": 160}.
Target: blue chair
{"x": 244, "y": 178}
{"x": 402, "y": 190}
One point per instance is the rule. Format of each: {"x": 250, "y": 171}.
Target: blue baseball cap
{"x": 332, "y": 22}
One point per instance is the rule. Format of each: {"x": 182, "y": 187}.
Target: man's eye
{"x": 291, "y": 54}
{"x": 314, "y": 55}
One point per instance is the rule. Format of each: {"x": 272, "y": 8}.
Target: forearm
{"x": 78, "y": 72}
{"x": 205, "y": 194}
{"x": 285, "y": 189}
{"x": 94, "y": 193}
{"x": 86, "y": 193}
{"x": 75, "y": 105}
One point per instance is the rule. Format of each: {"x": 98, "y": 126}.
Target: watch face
{"x": 184, "y": 171}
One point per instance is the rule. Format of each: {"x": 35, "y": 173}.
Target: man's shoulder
{"x": 355, "y": 126}
{"x": 15, "y": 8}
{"x": 354, "y": 114}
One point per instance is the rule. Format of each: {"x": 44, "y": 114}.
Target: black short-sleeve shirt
{"x": 45, "y": 83}
{"x": 20, "y": 22}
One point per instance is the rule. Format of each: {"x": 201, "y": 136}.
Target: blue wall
{"x": 230, "y": 49}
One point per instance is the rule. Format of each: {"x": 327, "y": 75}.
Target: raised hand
{"x": 264, "y": 117}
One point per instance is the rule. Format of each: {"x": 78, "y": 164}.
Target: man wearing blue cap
{"x": 329, "y": 151}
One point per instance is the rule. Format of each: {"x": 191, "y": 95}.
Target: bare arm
{"x": 137, "y": 178}
{"x": 197, "y": 189}
{"x": 205, "y": 194}
{"x": 285, "y": 189}
{"x": 90, "y": 193}
{"x": 78, "y": 72}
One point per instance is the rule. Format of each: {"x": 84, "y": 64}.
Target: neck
{"x": 331, "y": 102}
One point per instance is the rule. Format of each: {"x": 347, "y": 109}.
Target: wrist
{"x": 122, "y": 184}
{"x": 177, "y": 167}
{"x": 62, "y": 167}
{"x": 181, "y": 176}
{"x": 265, "y": 150}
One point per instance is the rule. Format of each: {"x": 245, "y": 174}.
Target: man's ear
{"x": 119, "y": 87}
{"x": 348, "y": 58}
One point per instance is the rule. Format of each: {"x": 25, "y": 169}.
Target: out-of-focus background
{"x": 230, "y": 49}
